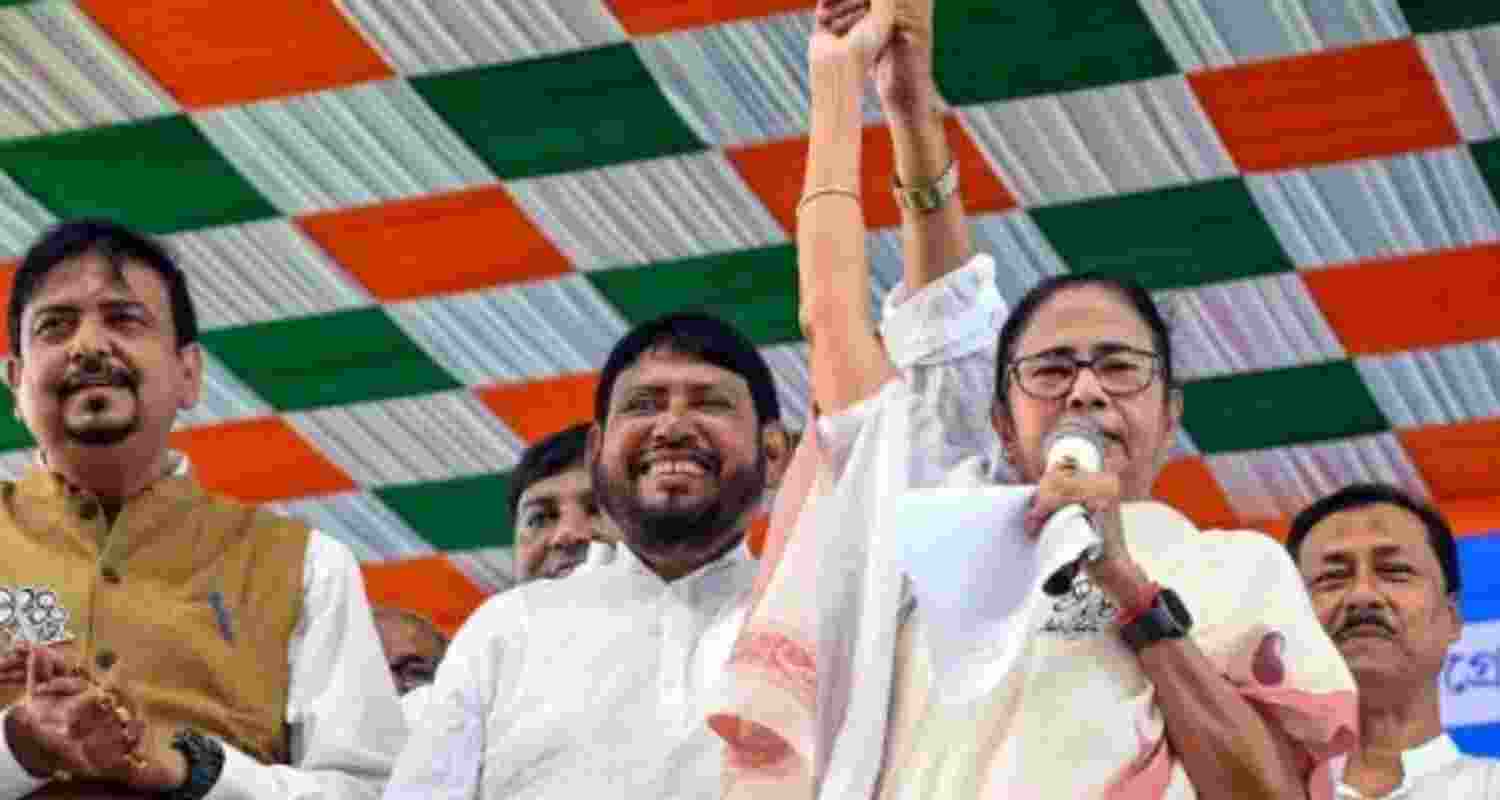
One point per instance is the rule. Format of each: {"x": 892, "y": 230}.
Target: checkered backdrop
{"x": 415, "y": 227}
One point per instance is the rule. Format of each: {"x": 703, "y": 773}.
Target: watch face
{"x": 1174, "y": 606}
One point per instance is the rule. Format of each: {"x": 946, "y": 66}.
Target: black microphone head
{"x": 1060, "y": 582}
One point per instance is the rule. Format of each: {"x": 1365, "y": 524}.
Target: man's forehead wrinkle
{"x": 116, "y": 282}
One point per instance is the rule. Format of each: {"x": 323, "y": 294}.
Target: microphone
{"x": 1079, "y": 441}
{"x": 599, "y": 554}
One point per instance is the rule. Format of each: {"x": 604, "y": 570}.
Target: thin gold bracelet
{"x": 826, "y": 190}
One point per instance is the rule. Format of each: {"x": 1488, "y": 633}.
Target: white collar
{"x": 1428, "y": 757}
{"x": 632, "y": 563}
{"x": 1431, "y": 756}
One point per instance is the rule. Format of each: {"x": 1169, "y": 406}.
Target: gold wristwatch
{"x": 928, "y": 197}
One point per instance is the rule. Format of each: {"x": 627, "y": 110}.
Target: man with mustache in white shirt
{"x": 1382, "y": 569}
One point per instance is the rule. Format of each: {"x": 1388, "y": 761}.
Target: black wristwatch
{"x": 205, "y": 760}
{"x": 1167, "y": 618}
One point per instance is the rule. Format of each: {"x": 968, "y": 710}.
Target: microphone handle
{"x": 1060, "y": 582}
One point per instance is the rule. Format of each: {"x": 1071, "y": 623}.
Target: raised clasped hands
{"x": 892, "y": 39}
{"x": 850, "y": 33}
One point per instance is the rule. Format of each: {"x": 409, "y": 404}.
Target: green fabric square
{"x": 578, "y": 110}
{"x": 13, "y": 433}
{"x": 1431, "y": 16}
{"x": 754, "y": 290}
{"x": 1280, "y": 407}
{"x": 1169, "y": 238}
{"x": 328, "y": 359}
{"x": 458, "y": 514}
{"x": 160, "y": 175}
{"x": 1487, "y": 157}
{"x": 989, "y": 50}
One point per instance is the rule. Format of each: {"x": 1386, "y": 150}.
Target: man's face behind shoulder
{"x": 679, "y": 464}
{"x": 1379, "y": 591}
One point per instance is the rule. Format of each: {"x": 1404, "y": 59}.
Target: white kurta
{"x": 1438, "y": 771}
{"x": 588, "y": 687}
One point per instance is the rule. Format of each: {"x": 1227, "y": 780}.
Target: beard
{"x": 95, "y": 432}
{"x": 95, "y": 428}
{"x": 675, "y": 528}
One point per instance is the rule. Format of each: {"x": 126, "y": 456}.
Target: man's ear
{"x": 592, "y": 445}
{"x": 191, "y": 356}
{"x": 778, "y": 446}
{"x": 1456, "y": 615}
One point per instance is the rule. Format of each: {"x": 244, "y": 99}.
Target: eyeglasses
{"x": 1121, "y": 373}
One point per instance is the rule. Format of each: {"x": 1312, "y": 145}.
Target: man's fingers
{"x": 61, "y": 687}
{"x": 828, "y": 9}
{"x": 845, "y": 22}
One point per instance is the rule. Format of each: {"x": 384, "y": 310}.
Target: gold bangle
{"x": 826, "y": 190}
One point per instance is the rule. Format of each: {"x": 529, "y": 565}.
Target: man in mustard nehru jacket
{"x": 161, "y": 641}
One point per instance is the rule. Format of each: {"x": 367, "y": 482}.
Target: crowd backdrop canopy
{"x": 415, "y": 227}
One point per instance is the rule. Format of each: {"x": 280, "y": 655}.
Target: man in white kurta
{"x": 1382, "y": 568}
{"x": 582, "y": 687}
{"x": 593, "y": 685}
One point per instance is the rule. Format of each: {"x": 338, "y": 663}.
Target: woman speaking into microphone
{"x": 1178, "y": 663}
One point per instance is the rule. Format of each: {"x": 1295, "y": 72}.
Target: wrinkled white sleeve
{"x": 942, "y": 341}
{"x": 920, "y": 424}
{"x": 345, "y": 719}
{"x": 444, "y": 758}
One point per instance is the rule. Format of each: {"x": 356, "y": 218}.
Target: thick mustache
{"x": 106, "y": 375}
{"x": 1357, "y": 620}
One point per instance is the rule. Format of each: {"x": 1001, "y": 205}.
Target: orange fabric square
{"x": 536, "y": 409}
{"x": 774, "y": 171}
{"x": 259, "y": 460}
{"x": 646, "y": 17}
{"x": 1445, "y": 298}
{"x": 755, "y": 537}
{"x": 1360, "y": 102}
{"x": 437, "y": 244}
{"x": 429, "y": 585}
{"x": 1188, "y": 485}
{"x": 1472, "y": 516}
{"x": 7, "y": 278}
{"x": 1459, "y": 460}
{"x": 211, "y": 53}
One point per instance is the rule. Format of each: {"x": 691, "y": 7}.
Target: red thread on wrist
{"x": 1143, "y": 605}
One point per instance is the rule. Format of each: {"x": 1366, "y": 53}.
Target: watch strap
{"x": 205, "y": 762}
{"x": 929, "y": 197}
{"x": 1167, "y": 618}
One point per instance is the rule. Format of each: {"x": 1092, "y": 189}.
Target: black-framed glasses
{"x": 1121, "y": 373}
